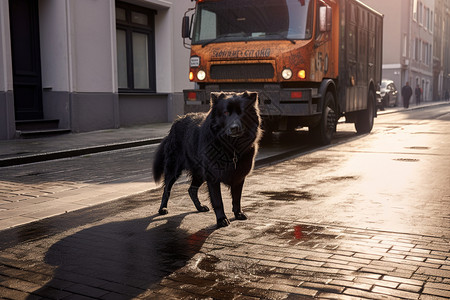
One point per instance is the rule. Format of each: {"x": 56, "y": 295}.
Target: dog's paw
{"x": 163, "y": 211}
{"x": 224, "y": 222}
{"x": 203, "y": 208}
{"x": 240, "y": 215}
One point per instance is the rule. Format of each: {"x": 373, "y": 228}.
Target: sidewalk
{"x": 22, "y": 151}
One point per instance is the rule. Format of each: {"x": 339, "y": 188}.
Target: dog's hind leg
{"x": 193, "y": 193}
{"x": 217, "y": 203}
{"x": 168, "y": 183}
{"x": 236, "y": 193}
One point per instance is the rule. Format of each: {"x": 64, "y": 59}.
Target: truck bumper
{"x": 272, "y": 103}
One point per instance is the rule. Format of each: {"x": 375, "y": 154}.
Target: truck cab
{"x": 292, "y": 52}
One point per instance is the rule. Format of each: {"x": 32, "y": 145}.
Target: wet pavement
{"x": 366, "y": 218}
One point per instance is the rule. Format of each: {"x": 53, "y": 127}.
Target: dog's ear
{"x": 216, "y": 97}
{"x": 252, "y": 96}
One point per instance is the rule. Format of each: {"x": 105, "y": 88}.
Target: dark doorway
{"x": 26, "y": 60}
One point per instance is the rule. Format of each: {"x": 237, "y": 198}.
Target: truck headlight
{"x": 201, "y": 75}
{"x": 286, "y": 74}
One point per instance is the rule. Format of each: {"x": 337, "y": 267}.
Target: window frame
{"x": 129, "y": 27}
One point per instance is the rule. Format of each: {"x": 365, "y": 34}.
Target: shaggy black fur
{"x": 218, "y": 146}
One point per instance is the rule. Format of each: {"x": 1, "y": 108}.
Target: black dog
{"x": 218, "y": 146}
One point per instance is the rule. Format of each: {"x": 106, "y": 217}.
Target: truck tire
{"x": 323, "y": 132}
{"x": 364, "y": 120}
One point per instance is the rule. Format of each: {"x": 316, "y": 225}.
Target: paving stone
{"x": 436, "y": 292}
{"x": 436, "y": 285}
{"x": 294, "y": 290}
{"x": 403, "y": 280}
{"x": 434, "y": 272}
{"x": 323, "y": 287}
{"x": 368, "y": 295}
{"x": 7, "y": 293}
{"x": 351, "y": 284}
{"x": 410, "y": 288}
{"x": 395, "y": 292}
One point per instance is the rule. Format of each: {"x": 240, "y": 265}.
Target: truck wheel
{"x": 364, "y": 120}
{"x": 324, "y": 131}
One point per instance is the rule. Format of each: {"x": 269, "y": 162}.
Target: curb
{"x": 27, "y": 159}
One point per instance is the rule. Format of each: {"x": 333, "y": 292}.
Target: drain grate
{"x": 418, "y": 148}
{"x": 407, "y": 159}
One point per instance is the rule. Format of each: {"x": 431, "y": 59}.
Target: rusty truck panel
{"x": 360, "y": 53}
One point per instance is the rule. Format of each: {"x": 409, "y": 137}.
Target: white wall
{"x": 181, "y": 54}
{"x": 92, "y": 45}
{"x": 164, "y": 51}
{"x": 78, "y": 45}
{"x": 53, "y": 23}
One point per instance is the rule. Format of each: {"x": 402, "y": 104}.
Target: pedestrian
{"x": 447, "y": 96}
{"x": 418, "y": 92}
{"x": 406, "y": 94}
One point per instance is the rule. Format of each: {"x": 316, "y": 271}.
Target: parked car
{"x": 387, "y": 96}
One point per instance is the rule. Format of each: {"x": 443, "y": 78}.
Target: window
{"x": 430, "y": 27}
{"x": 430, "y": 52}
{"x": 417, "y": 50}
{"x": 420, "y": 13}
{"x": 405, "y": 45}
{"x": 135, "y": 48}
{"x": 415, "y": 10}
{"x": 425, "y": 53}
{"x": 252, "y": 20}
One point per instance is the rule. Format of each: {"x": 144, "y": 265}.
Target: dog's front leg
{"x": 216, "y": 201}
{"x": 236, "y": 192}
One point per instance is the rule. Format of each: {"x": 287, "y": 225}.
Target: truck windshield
{"x": 243, "y": 20}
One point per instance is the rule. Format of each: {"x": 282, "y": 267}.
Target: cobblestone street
{"x": 364, "y": 219}
{"x": 125, "y": 251}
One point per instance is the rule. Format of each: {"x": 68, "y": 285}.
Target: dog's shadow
{"x": 120, "y": 259}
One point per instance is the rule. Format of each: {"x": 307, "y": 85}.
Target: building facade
{"x": 422, "y": 29}
{"x": 91, "y": 64}
{"x": 441, "y": 53}
{"x": 408, "y": 42}
{"x": 395, "y": 42}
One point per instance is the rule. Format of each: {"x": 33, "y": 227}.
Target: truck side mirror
{"x": 325, "y": 13}
{"x": 185, "y": 28}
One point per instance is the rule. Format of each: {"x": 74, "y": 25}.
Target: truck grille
{"x": 242, "y": 71}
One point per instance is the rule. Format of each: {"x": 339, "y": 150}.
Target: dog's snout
{"x": 235, "y": 128}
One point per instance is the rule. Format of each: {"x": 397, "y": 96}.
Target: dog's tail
{"x": 158, "y": 162}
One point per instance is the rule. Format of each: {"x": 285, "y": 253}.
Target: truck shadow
{"x": 120, "y": 259}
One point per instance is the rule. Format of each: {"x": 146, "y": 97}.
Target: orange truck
{"x": 311, "y": 61}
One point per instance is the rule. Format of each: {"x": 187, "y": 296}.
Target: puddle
{"x": 341, "y": 178}
{"x": 302, "y": 232}
{"x": 287, "y": 195}
{"x": 208, "y": 263}
{"x": 31, "y": 174}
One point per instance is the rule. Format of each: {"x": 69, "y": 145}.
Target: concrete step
{"x": 29, "y": 134}
{"x": 34, "y": 125}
